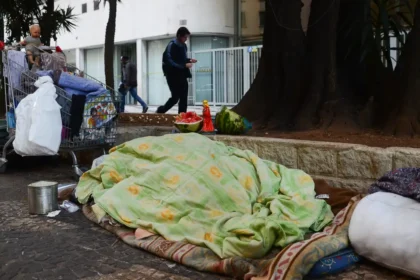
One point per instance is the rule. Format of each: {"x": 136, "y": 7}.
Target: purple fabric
{"x": 403, "y": 181}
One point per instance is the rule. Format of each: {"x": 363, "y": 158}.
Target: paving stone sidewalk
{"x": 67, "y": 246}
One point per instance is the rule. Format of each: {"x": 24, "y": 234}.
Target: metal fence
{"x": 223, "y": 76}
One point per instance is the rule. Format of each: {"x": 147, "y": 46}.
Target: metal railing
{"x": 223, "y": 76}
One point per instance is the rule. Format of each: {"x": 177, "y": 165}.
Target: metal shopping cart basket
{"x": 98, "y": 121}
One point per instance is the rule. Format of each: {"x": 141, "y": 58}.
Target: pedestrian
{"x": 129, "y": 83}
{"x": 176, "y": 68}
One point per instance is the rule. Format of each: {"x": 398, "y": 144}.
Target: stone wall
{"x": 343, "y": 165}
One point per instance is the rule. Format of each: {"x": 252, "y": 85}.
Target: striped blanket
{"x": 293, "y": 262}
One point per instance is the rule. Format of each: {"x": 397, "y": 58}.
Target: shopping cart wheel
{"x": 78, "y": 170}
{"x": 3, "y": 160}
{"x": 3, "y": 165}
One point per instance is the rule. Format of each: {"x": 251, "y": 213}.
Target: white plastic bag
{"x": 69, "y": 206}
{"x": 23, "y": 124}
{"x": 46, "y": 117}
{"x": 38, "y": 121}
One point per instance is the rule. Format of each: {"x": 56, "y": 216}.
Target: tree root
{"x": 403, "y": 126}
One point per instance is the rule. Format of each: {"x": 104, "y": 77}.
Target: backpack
{"x": 165, "y": 66}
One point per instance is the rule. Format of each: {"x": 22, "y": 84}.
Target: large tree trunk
{"x": 278, "y": 77}
{"x": 297, "y": 72}
{"x": 2, "y": 89}
{"x": 109, "y": 44}
{"x": 48, "y": 23}
{"x": 320, "y": 76}
{"x": 404, "y": 118}
{"x": 2, "y": 92}
{"x": 319, "y": 79}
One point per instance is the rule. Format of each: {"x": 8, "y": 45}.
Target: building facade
{"x": 143, "y": 30}
{"x": 251, "y": 21}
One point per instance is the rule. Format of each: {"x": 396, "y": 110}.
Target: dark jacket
{"x": 129, "y": 74}
{"x": 174, "y": 59}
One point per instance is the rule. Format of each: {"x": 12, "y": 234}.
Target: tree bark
{"x": 294, "y": 69}
{"x": 344, "y": 103}
{"x": 404, "y": 119}
{"x": 279, "y": 73}
{"x": 320, "y": 62}
{"x": 47, "y": 23}
{"x": 109, "y": 44}
{"x": 2, "y": 92}
{"x": 321, "y": 81}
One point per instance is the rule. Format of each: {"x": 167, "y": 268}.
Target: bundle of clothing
{"x": 219, "y": 209}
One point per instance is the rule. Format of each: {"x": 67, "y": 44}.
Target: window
{"x": 84, "y": 8}
{"x": 262, "y": 19}
{"x": 243, "y": 19}
{"x": 96, "y": 4}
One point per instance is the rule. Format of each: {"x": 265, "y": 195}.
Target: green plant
{"x": 387, "y": 19}
{"x": 20, "y": 14}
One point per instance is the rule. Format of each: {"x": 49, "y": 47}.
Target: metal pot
{"x": 42, "y": 197}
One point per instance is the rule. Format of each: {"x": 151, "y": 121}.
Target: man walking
{"x": 176, "y": 68}
{"x": 129, "y": 83}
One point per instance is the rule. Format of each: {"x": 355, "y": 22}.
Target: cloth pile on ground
{"x": 404, "y": 182}
{"x": 223, "y": 210}
{"x": 219, "y": 209}
{"x": 188, "y": 187}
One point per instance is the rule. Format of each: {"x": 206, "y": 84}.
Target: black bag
{"x": 164, "y": 63}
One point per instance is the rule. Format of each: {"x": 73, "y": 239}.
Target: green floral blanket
{"x": 190, "y": 188}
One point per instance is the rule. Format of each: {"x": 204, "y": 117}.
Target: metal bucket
{"x": 42, "y": 197}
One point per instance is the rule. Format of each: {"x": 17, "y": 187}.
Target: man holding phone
{"x": 176, "y": 68}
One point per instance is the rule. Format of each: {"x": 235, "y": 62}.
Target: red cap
{"x": 1, "y": 46}
{"x": 58, "y": 49}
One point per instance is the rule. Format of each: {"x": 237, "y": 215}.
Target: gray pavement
{"x": 67, "y": 246}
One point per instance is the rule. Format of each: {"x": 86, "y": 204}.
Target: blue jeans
{"x": 133, "y": 93}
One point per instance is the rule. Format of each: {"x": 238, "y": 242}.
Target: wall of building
{"x": 252, "y": 21}
{"x": 147, "y": 19}
{"x": 141, "y": 23}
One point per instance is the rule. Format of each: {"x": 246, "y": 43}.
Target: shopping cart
{"x": 99, "y": 124}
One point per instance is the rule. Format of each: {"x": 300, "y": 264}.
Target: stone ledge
{"x": 405, "y": 157}
{"x": 349, "y": 166}
{"x": 372, "y": 162}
